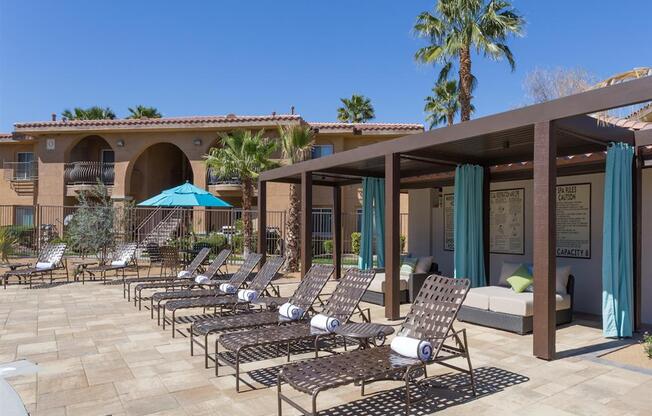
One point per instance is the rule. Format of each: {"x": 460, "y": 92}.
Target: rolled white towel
{"x": 118, "y": 263}
{"x": 44, "y": 265}
{"x": 228, "y": 288}
{"x": 325, "y": 323}
{"x": 201, "y": 279}
{"x": 247, "y": 295}
{"x": 290, "y": 311}
{"x": 412, "y": 348}
{"x": 184, "y": 274}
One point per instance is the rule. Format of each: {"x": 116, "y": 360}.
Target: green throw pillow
{"x": 520, "y": 280}
{"x": 408, "y": 265}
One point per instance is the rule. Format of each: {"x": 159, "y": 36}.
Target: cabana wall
{"x": 427, "y": 213}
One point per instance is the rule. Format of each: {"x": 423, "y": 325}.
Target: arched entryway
{"x": 159, "y": 167}
{"x": 89, "y": 161}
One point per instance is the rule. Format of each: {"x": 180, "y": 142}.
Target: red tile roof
{"x": 366, "y": 126}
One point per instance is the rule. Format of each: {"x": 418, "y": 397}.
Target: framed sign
{"x": 506, "y": 221}
{"x": 449, "y": 232}
{"x": 49, "y": 144}
{"x": 574, "y": 221}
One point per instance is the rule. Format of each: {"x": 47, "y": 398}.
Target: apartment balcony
{"x": 223, "y": 186}
{"x": 22, "y": 176}
{"x": 80, "y": 176}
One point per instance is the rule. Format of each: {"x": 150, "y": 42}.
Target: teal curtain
{"x": 467, "y": 223}
{"x": 617, "y": 253}
{"x": 373, "y": 222}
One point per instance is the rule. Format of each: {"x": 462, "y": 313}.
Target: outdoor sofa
{"x": 500, "y": 307}
{"x": 411, "y": 280}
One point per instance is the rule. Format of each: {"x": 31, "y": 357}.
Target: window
{"x": 25, "y": 216}
{"x": 322, "y": 221}
{"x": 321, "y": 150}
{"x": 25, "y": 165}
{"x": 107, "y": 156}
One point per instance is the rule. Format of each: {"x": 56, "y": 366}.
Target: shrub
{"x": 403, "y": 239}
{"x": 91, "y": 230}
{"x": 647, "y": 344}
{"x": 355, "y": 243}
{"x": 7, "y": 242}
{"x": 328, "y": 246}
{"x": 215, "y": 241}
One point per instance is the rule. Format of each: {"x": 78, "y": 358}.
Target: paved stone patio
{"x": 99, "y": 355}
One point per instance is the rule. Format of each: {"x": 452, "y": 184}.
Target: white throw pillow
{"x": 423, "y": 265}
{"x": 44, "y": 265}
{"x": 507, "y": 271}
{"x": 118, "y": 263}
{"x": 561, "y": 279}
{"x": 184, "y": 274}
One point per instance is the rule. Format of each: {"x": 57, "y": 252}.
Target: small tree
{"x": 91, "y": 230}
{"x": 544, "y": 84}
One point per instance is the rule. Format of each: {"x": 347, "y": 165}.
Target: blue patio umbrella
{"x": 186, "y": 195}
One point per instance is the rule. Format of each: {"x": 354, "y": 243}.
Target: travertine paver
{"x": 99, "y": 355}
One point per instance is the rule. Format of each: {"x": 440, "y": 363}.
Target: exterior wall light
{"x": 120, "y": 143}
{"x": 197, "y": 142}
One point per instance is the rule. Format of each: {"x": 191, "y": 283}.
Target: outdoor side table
{"x": 81, "y": 269}
{"x": 12, "y": 268}
{"x": 366, "y": 333}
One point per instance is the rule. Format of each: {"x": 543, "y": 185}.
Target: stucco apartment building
{"x": 47, "y": 163}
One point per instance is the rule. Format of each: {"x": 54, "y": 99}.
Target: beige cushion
{"x": 562, "y": 274}
{"x": 378, "y": 284}
{"x": 423, "y": 265}
{"x": 478, "y": 297}
{"x": 521, "y": 304}
{"x": 506, "y": 271}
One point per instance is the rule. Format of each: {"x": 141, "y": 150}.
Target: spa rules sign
{"x": 574, "y": 221}
{"x": 506, "y": 221}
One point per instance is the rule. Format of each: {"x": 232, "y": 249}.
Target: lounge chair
{"x": 190, "y": 270}
{"x": 232, "y": 302}
{"x": 430, "y": 319}
{"x": 236, "y": 282}
{"x": 179, "y": 283}
{"x": 49, "y": 260}
{"x": 341, "y": 306}
{"x": 304, "y": 297}
{"x": 122, "y": 258}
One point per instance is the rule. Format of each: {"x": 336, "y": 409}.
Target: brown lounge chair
{"x": 430, "y": 318}
{"x": 230, "y": 302}
{"x": 193, "y": 267}
{"x": 176, "y": 283}
{"x": 51, "y": 254}
{"x": 237, "y": 281}
{"x": 341, "y": 305}
{"x": 304, "y": 297}
{"x": 122, "y": 258}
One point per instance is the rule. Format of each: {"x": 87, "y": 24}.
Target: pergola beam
{"x": 337, "y": 231}
{"x": 306, "y": 222}
{"x": 262, "y": 219}
{"x": 392, "y": 235}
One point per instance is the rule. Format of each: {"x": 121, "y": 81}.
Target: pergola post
{"x": 337, "y": 230}
{"x": 486, "y": 182}
{"x": 306, "y": 222}
{"x": 545, "y": 261}
{"x": 637, "y": 204}
{"x": 262, "y": 219}
{"x": 392, "y": 235}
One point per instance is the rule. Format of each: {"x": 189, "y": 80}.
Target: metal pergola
{"x": 539, "y": 134}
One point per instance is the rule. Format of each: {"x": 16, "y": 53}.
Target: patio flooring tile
{"x": 98, "y": 355}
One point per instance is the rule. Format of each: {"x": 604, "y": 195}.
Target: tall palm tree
{"x": 243, "y": 154}
{"x": 296, "y": 143}
{"x": 357, "y": 109}
{"x": 443, "y": 105}
{"x": 457, "y": 27}
{"x": 91, "y": 113}
{"x": 141, "y": 111}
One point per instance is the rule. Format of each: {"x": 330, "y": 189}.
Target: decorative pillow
{"x": 118, "y": 263}
{"x": 44, "y": 265}
{"x": 424, "y": 264}
{"x": 408, "y": 265}
{"x": 507, "y": 270}
{"x": 520, "y": 280}
{"x": 561, "y": 279}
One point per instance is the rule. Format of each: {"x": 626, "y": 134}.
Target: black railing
{"x": 87, "y": 173}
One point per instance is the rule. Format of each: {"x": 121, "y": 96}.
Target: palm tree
{"x": 296, "y": 143}
{"x": 443, "y": 105}
{"x": 244, "y": 155}
{"x": 357, "y": 109}
{"x": 91, "y": 113}
{"x": 142, "y": 111}
{"x": 460, "y": 25}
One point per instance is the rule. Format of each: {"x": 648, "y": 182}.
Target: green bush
{"x": 23, "y": 234}
{"x": 328, "y": 246}
{"x": 403, "y": 239}
{"x": 356, "y": 238}
{"x": 216, "y": 241}
{"x": 647, "y": 344}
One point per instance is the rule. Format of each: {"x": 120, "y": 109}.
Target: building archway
{"x": 159, "y": 167}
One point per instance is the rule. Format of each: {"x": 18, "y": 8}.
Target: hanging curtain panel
{"x": 617, "y": 250}
{"x": 373, "y": 222}
{"x": 467, "y": 219}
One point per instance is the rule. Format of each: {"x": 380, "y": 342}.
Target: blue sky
{"x": 259, "y": 56}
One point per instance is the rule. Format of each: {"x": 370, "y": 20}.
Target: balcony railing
{"x": 20, "y": 171}
{"x": 215, "y": 179}
{"x": 88, "y": 173}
